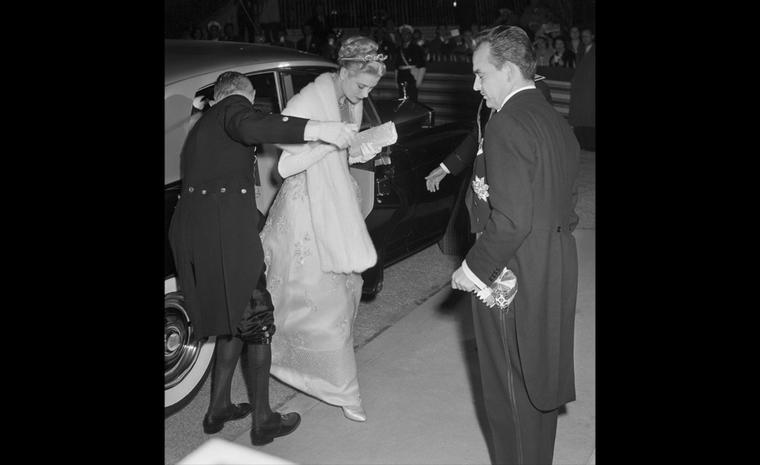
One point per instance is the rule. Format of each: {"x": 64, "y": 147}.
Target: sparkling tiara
{"x": 367, "y": 58}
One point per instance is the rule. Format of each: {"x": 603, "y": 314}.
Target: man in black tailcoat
{"x": 457, "y": 239}
{"x": 521, "y": 206}
{"x": 214, "y": 235}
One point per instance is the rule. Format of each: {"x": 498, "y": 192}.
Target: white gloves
{"x": 200, "y": 102}
{"x": 296, "y": 158}
{"x": 335, "y": 133}
{"x": 363, "y": 152}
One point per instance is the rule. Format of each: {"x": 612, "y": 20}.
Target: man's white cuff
{"x": 467, "y": 272}
{"x": 443, "y": 167}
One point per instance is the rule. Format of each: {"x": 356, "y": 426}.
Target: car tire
{"x": 187, "y": 360}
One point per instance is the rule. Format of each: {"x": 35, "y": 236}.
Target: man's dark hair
{"x": 229, "y": 82}
{"x": 509, "y": 43}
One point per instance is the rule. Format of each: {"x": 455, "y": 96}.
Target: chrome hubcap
{"x": 181, "y": 349}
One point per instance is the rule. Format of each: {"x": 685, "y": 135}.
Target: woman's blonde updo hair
{"x": 358, "y": 54}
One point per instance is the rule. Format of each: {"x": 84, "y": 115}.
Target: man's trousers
{"x": 520, "y": 434}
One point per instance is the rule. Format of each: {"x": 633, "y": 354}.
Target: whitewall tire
{"x": 187, "y": 360}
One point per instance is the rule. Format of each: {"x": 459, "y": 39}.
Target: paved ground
{"x": 401, "y": 294}
{"x": 421, "y": 390}
{"x": 415, "y": 306}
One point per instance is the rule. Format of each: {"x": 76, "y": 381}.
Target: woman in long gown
{"x": 315, "y": 240}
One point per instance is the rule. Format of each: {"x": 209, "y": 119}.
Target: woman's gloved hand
{"x": 363, "y": 152}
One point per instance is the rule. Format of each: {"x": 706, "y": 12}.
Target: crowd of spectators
{"x": 555, "y": 45}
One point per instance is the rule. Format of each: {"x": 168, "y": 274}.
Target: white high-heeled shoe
{"x": 355, "y": 413}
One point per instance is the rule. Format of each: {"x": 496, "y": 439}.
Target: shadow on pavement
{"x": 458, "y": 305}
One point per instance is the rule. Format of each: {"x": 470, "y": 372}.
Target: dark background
{"x": 178, "y": 14}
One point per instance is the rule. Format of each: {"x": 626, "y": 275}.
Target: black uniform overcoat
{"x": 214, "y": 230}
{"x": 530, "y": 164}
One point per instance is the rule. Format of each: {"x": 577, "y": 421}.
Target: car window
{"x": 300, "y": 80}
{"x": 266, "y": 95}
{"x": 301, "y": 77}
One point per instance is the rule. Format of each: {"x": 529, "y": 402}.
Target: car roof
{"x": 187, "y": 58}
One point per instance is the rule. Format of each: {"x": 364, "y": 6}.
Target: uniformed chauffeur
{"x": 217, "y": 250}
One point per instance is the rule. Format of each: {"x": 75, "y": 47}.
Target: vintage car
{"x": 404, "y": 217}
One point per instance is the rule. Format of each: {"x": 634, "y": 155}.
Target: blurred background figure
{"x": 534, "y": 15}
{"x": 247, "y": 19}
{"x": 582, "y": 116}
{"x": 196, "y": 33}
{"x": 386, "y": 47}
{"x": 542, "y": 50}
{"x": 214, "y": 30}
{"x": 462, "y": 46}
{"x": 320, "y": 23}
{"x": 456, "y": 45}
{"x": 269, "y": 19}
{"x": 410, "y": 65}
{"x": 229, "y": 33}
{"x": 364, "y": 30}
{"x": 551, "y": 30}
{"x": 330, "y": 47}
{"x": 506, "y": 18}
{"x": 391, "y": 30}
{"x": 419, "y": 40}
{"x": 574, "y": 44}
{"x": 283, "y": 40}
{"x": 440, "y": 44}
{"x": 562, "y": 57}
{"x": 309, "y": 42}
{"x": 587, "y": 40}
{"x": 469, "y": 40}
{"x": 260, "y": 38}
{"x": 379, "y": 17}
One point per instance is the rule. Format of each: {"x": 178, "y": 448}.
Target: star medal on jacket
{"x": 480, "y": 187}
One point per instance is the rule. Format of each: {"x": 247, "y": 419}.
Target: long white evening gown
{"x": 314, "y": 311}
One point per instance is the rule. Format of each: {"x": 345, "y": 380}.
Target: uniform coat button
{"x": 203, "y": 192}
{"x": 243, "y": 191}
{"x": 190, "y": 189}
{"x": 222, "y": 190}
